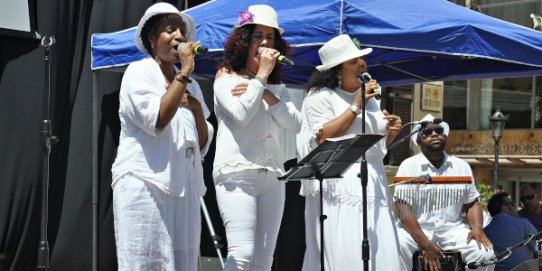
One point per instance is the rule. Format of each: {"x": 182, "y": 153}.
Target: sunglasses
{"x": 429, "y": 131}
{"x": 527, "y": 198}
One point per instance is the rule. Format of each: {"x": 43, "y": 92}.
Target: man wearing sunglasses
{"x": 507, "y": 230}
{"x": 529, "y": 195}
{"x": 435, "y": 230}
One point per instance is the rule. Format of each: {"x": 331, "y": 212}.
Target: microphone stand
{"x": 48, "y": 139}
{"x": 425, "y": 177}
{"x": 393, "y": 144}
{"x": 363, "y": 175}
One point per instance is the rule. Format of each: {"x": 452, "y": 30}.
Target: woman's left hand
{"x": 394, "y": 122}
{"x": 190, "y": 102}
{"x": 239, "y": 89}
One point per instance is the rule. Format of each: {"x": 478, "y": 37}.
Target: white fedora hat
{"x": 259, "y": 14}
{"x": 429, "y": 118}
{"x": 164, "y": 8}
{"x": 338, "y": 50}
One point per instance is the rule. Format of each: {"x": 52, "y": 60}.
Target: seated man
{"x": 529, "y": 195}
{"x": 506, "y": 229}
{"x": 434, "y": 230}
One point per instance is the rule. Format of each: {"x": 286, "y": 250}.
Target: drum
{"x": 450, "y": 262}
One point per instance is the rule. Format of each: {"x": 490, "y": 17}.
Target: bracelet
{"x": 259, "y": 79}
{"x": 182, "y": 78}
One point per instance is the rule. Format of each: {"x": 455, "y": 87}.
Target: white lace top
{"x": 324, "y": 105}
{"x": 248, "y": 128}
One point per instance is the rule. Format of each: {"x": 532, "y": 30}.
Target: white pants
{"x": 153, "y": 230}
{"x": 251, "y": 204}
{"x": 452, "y": 239}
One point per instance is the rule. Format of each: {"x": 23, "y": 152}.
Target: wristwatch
{"x": 182, "y": 78}
{"x": 354, "y": 107}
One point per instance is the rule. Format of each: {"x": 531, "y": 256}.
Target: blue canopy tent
{"x": 424, "y": 40}
{"x": 413, "y": 41}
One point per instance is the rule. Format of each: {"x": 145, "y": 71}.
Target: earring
{"x": 340, "y": 82}
{"x": 152, "y": 45}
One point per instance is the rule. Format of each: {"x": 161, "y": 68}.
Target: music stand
{"x": 329, "y": 161}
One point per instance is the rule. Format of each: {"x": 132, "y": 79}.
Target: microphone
{"x": 475, "y": 265}
{"x": 424, "y": 122}
{"x": 426, "y": 177}
{"x": 281, "y": 59}
{"x": 365, "y": 78}
{"x": 199, "y": 49}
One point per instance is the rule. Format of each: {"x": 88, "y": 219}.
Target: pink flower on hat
{"x": 245, "y": 17}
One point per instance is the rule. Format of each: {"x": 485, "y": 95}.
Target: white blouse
{"x": 248, "y": 128}
{"x": 158, "y": 156}
{"x": 324, "y": 105}
{"x": 320, "y": 107}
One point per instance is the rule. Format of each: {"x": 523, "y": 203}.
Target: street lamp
{"x": 497, "y": 121}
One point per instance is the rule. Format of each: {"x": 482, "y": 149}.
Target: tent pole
{"x": 94, "y": 172}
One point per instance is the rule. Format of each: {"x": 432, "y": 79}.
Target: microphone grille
{"x": 366, "y": 76}
{"x": 181, "y": 46}
{"x": 437, "y": 121}
{"x": 260, "y": 50}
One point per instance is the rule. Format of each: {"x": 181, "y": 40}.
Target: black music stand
{"x": 329, "y": 161}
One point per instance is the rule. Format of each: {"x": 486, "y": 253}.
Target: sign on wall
{"x": 432, "y": 96}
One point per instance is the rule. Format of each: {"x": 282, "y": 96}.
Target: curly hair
{"x": 323, "y": 79}
{"x": 153, "y": 24}
{"x": 236, "y": 51}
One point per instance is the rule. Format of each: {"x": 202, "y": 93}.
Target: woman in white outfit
{"x": 332, "y": 109}
{"x": 157, "y": 174}
{"x": 251, "y": 107}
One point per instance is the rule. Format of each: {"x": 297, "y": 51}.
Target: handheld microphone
{"x": 365, "y": 78}
{"x": 199, "y": 49}
{"x": 281, "y": 59}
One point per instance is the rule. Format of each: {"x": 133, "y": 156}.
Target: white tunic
{"x": 157, "y": 176}
{"x": 156, "y": 156}
{"x": 343, "y": 197}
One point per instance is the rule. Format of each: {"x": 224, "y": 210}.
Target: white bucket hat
{"x": 259, "y": 14}
{"x": 338, "y": 50}
{"x": 429, "y": 118}
{"x": 164, "y": 8}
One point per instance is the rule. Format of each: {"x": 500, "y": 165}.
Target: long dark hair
{"x": 323, "y": 79}
{"x": 236, "y": 51}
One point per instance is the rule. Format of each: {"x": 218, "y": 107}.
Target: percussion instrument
{"x": 420, "y": 196}
{"x": 450, "y": 262}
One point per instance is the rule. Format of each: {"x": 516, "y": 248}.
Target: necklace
{"x": 251, "y": 74}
